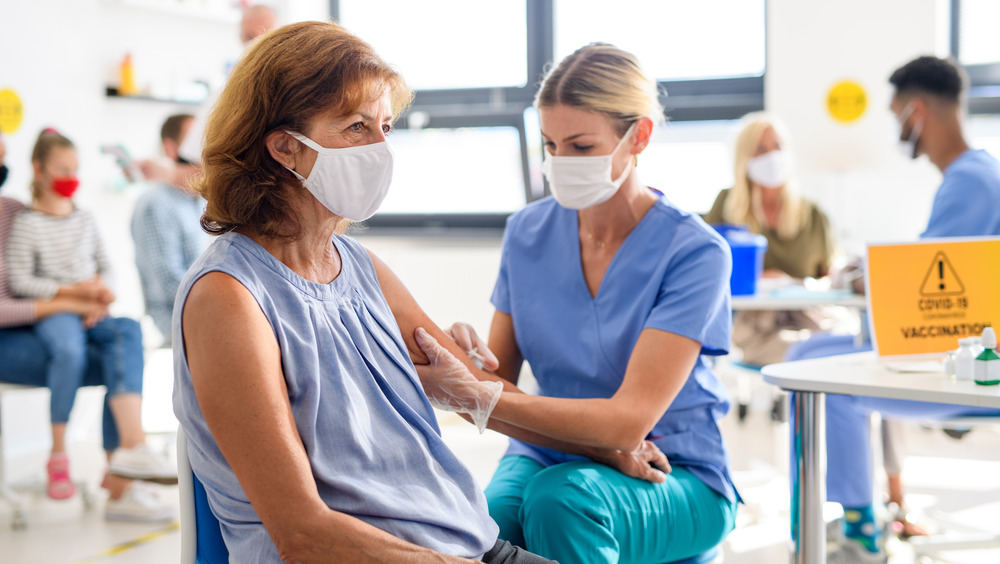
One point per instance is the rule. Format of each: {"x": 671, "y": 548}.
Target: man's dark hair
{"x": 942, "y": 78}
{"x": 172, "y": 127}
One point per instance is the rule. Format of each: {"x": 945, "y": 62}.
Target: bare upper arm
{"x": 409, "y": 316}
{"x": 235, "y": 365}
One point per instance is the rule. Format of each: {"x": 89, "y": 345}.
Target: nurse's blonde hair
{"x": 602, "y": 78}
{"x": 743, "y": 205}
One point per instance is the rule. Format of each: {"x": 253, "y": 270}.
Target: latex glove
{"x": 466, "y": 337}
{"x": 450, "y": 386}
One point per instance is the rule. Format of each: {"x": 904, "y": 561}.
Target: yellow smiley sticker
{"x": 846, "y": 101}
{"x": 11, "y": 111}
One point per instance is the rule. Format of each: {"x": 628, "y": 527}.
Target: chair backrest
{"x": 822, "y": 344}
{"x": 201, "y": 534}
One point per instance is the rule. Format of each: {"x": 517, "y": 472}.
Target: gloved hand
{"x": 450, "y": 386}
{"x": 466, "y": 337}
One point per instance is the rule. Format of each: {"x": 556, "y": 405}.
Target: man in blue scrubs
{"x": 928, "y": 102}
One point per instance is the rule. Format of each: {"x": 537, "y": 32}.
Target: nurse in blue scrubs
{"x": 616, "y": 299}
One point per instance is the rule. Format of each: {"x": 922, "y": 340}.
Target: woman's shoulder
{"x": 536, "y": 220}
{"x": 683, "y": 229}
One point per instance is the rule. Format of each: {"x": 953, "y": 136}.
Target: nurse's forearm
{"x": 596, "y": 422}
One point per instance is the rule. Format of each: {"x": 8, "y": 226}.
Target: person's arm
{"x": 241, "y": 390}
{"x": 21, "y": 248}
{"x": 658, "y": 367}
{"x": 633, "y": 459}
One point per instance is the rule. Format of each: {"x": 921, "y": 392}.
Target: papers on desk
{"x": 915, "y": 367}
{"x": 800, "y": 292}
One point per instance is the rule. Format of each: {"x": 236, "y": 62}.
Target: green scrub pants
{"x": 585, "y": 512}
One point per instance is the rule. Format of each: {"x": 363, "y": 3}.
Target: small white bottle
{"x": 965, "y": 359}
{"x": 987, "y": 363}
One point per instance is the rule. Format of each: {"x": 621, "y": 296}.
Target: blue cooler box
{"x": 748, "y": 257}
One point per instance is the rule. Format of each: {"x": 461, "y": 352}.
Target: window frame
{"x": 686, "y": 100}
{"x": 984, "y": 79}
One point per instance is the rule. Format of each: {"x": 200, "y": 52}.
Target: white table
{"x": 860, "y": 374}
{"x": 779, "y": 300}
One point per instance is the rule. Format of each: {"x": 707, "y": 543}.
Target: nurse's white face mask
{"x": 770, "y": 170}
{"x": 582, "y": 182}
{"x": 908, "y": 146}
{"x": 350, "y": 181}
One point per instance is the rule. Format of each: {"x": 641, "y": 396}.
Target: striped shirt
{"x": 47, "y": 251}
{"x": 13, "y": 311}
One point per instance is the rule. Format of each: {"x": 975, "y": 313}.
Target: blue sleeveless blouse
{"x": 371, "y": 435}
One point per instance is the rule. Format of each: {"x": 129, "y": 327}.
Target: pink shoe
{"x": 59, "y": 486}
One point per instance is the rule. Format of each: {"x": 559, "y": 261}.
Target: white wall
{"x": 852, "y": 171}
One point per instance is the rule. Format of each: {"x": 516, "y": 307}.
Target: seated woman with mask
{"x": 799, "y": 241}
{"x": 305, "y": 417}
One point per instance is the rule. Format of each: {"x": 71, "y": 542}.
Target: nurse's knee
{"x": 560, "y": 494}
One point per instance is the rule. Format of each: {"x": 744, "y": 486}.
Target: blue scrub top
{"x": 671, "y": 273}
{"x": 968, "y": 201}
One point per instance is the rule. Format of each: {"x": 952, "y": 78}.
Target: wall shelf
{"x": 112, "y": 93}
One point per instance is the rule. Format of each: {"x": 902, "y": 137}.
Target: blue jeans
{"x": 59, "y": 353}
{"x": 584, "y": 512}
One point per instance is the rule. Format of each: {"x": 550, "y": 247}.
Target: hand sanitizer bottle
{"x": 965, "y": 359}
{"x": 987, "y": 363}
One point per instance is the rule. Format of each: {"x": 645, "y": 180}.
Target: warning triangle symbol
{"x": 941, "y": 279}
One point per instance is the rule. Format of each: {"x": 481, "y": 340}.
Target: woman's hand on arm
{"x": 241, "y": 391}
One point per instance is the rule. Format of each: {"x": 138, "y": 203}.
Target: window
{"x": 441, "y": 47}
{"x": 660, "y": 35}
{"x": 469, "y": 152}
{"x": 973, "y": 43}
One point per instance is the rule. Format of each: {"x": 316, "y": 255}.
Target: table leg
{"x": 809, "y": 478}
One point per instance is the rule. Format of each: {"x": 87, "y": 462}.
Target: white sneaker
{"x": 143, "y": 463}
{"x": 139, "y": 504}
{"x": 851, "y": 552}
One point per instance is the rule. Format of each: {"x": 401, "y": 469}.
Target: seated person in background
{"x": 927, "y": 102}
{"x": 799, "y": 242}
{"x": 617, "y": 300}
{"x": 166, "y": 229}
{"x": 305, "y": 417}
{"x": 56, "y": 333}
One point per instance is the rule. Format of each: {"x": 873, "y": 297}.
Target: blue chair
{"x": 201, "y": 534}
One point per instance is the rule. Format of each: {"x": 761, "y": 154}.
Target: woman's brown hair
{"x": 285, "y": 79}
{"x": 48, "y": 140}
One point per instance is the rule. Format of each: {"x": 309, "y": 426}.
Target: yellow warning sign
{"x": 11, "y": 111}
{"x": 924, "y": 296}
{"x": 846, "y": 101}
{"x": 941, "y": 279}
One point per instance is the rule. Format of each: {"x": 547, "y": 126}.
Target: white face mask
{"x": 581, "y": 182}
{"x": 351, "y": 181}
{"x": 908, "y": 147}
{"x": 770, "y": 170}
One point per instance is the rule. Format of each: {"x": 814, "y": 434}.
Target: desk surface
{"x": 793, "y": 299}
{"x": 863, "y": 374}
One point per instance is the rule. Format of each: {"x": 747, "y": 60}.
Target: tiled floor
{"x": 962, "y": 477}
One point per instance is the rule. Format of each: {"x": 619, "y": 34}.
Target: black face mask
{"x": 3, "y": 174}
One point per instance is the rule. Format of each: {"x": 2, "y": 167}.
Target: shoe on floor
{"x": 59, "y": 485}
{"x": 143, "y": 463}
{"x": 139, "y": 503}
{"x": 851, "y": 552}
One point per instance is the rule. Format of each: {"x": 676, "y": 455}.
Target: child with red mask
{"x": 55, "y": 251}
